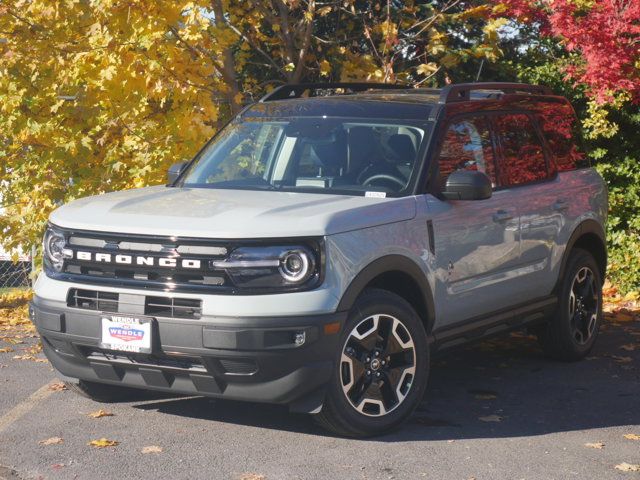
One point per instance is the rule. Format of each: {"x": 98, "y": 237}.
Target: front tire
{"x": 572, "y": 331}
{"x": 382, "y": 370}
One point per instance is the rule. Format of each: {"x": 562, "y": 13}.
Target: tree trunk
{"x": 228, "y": 63}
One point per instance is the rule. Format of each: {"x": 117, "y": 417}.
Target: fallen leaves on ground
{"x": 15, "y": 316}
{"x": 627, "y": 467}
{"x": 34, "y": 349}
{"x": 620, "y": 308}
{"x": 33, "y": 358}
{"x": 491, "y": 418}
{"x": 152, "y": 449}
{"x": 252, "y": 476}
{"x": 15, "y": 325}
{"x": 631, "y": 436}
{"x": 15, "y": 298}
{"x": 103, "y": 443}
{"x": 619, "y": 359}
{"x": 30, "y": 353}
{"x": 630, "y": 347}
{"x": 485, "y": 396}
{"x": 598, "y": 445}
{"x": 52, "y": 441}
{"x": 12, "y": 340}
{"x": 100, "y": 413}
{"x": 57, "y": 387}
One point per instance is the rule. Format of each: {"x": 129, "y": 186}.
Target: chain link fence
{"x": 15, "y": 274}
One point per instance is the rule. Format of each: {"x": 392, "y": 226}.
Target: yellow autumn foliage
{"x": 97, "y": 96}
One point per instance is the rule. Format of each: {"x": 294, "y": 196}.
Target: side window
{"x": 522, "y": 150}
{"x": 561, "y": 131}
{"x": 467, "y": 146}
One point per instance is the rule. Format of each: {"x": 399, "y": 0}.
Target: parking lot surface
{"x": 494, "y": 410}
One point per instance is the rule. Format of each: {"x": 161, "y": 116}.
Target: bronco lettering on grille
{"x": 138, "y": 260}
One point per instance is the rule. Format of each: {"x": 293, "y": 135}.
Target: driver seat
{"x": 365, "y": 156}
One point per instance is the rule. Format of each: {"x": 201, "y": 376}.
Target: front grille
{"x": 173, "y": 307}
{"x": 158, "y": 263}
{"x": 192, "y": 364}
{"x": 153, "y": 306}
{"x": 93, "y": 300}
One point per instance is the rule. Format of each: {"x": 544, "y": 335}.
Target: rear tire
{"x": 573, "y": 329}
{"x": 382, "y": 368}
{"x": 103, "y": 393}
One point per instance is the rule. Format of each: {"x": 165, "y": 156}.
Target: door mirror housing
{"x": 467, "y": 185}
{"x": 174, "y": 171}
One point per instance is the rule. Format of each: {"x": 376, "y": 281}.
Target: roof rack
{"x": 462, "y": 91}
{"x": 296, "y": 90}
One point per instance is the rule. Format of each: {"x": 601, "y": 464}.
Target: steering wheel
{"x": 385, "y": 176}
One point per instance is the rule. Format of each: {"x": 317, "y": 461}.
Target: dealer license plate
{"x": 126, "y": 333}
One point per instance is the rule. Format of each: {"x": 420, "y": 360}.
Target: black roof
{"x": 389, "y": 105}
{"x": 363, "y": 100}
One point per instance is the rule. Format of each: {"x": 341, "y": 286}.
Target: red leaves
{"x": 604, "y": 32}
{"x": 606, "y": 36}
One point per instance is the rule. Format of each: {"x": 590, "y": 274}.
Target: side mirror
{"x": 174, "y": 171}
{"x": 467, "y": 185}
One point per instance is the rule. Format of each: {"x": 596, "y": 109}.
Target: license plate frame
{"x": 127, "y": 333}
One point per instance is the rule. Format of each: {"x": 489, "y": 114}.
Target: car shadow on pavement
{"x": 498, "y": 388}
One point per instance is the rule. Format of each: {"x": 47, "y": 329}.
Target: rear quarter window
{"x": 523, "y": 159}
{"x": 561, "y": 131}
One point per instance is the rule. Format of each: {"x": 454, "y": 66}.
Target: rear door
{"x": 530, "y": 185}
{"x": 476, "y": 242}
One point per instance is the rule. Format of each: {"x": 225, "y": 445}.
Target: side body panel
{"x": 586, "y": 199}
{"x": 350, "y": 253}
{"x": 477, "y": 252}
{"x": 550, "y": 213}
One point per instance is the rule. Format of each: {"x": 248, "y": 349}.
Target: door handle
{"x": 560, "y": 205}
{"x": 502, "y": 216}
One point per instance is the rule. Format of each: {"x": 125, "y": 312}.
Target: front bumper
{"x": 250, "y": 358}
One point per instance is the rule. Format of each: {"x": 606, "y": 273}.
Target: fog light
{"x": 299, "y": 338}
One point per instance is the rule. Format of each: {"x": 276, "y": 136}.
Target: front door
{"x": 477, "y": 243}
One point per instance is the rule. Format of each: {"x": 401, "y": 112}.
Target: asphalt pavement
{"x": 494, "y": 410}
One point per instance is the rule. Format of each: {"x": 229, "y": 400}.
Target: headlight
{"x": 284, "y": 267}
{"x": 295, "y": 266}
{"x": 55, "y": 251}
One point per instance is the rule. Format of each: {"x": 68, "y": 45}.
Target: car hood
{"x": 218, "y": 213}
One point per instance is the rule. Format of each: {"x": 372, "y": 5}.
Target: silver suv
{"x": 324, "y": 244}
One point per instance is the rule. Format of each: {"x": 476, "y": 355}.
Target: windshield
{"x": 324, "y": 155}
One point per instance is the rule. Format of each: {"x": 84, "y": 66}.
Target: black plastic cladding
{"x": 316, "y": 245}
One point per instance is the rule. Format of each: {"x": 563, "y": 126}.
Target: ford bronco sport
{"x": 324, "y": 244}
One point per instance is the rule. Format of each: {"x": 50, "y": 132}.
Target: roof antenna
{"x": 479, "y": 70}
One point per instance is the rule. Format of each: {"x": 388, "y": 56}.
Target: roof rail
{"x": 296, "y": 90}
{"x": 461, "y": 92}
